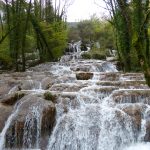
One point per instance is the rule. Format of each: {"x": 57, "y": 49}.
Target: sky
{"x": 83, "y": 9}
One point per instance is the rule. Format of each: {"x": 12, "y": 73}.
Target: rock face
{"x": 132, "y": 96}
{"x": 35, "y": 120}
{"x": 5, "y": 112}
{"x": 11, "y": 99}
{"x": 84, "y": 76}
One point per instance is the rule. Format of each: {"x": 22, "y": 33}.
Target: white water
{"x": 32, "y": 128}
{"x": 13, "y": 89}
{"x": 139, "y": 146}
{"x": 96, "y": 124}
{"x": 8, "y": 123}
{"x": 92, "y": 126}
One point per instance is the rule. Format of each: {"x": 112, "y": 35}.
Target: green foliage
{"x": 30, "y": 45}
{"x": 99, "y": 56}
{"x": 86, "y": 55}
{"x": 93, "y": 30}
{"x": 56, "y": 37}
{"x": 5, "y": 58}
{"x": 50, "y": 97}
{"x": 95, "y": 53}
{"x": 73, "y": 34}
{"x": 31, "y": 27}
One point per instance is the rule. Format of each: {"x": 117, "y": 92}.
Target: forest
{"x": 38, "y": 30}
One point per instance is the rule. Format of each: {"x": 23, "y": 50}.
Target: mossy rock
{"x": 50, "y": 97}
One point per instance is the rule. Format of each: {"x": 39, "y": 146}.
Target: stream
{"x": 96, "y": 108}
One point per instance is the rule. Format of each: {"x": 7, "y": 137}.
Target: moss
{"x": 50, "y": 97}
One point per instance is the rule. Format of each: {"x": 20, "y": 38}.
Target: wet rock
{"x": 132, "y": 76}
{"x": 30, "y": 85}
{"x": 66, "y": 101}
{"x": 147, "y": 136}
{"x": 35, "y": 115}
{"x": 85, "y": 68}
{"x": 109, "y": 76}
{"x": 124, "y": 84}
{"x": 84, "y": 76}
{"x": 67, "y": 87}
{"x": 11, "y": 99}
{"x": 5, "y": 111}
{"x": 135, "y": 111}
{"x": 47, "y": 83}
{"x": 132, "y": 96}
{"x": 65, "y": 79}
{"x": 4, "y": 89}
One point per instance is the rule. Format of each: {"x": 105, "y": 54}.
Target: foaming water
{"x": 92, "y": 127}
{"x": 32, "y": 128}
{"x": 139, "y": 146}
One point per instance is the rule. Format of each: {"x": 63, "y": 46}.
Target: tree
{"x": 25, "y": 20}
{"x": 132, "y": 32}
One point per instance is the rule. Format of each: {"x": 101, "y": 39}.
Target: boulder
{"x": 10, "y": 99}
{"x": 84, "y": 76}
{"x": 47, "y": 83}
{"x": 35, "y": 119}
{"x": 135, "y": 111}
{"x": 5, "y": 111}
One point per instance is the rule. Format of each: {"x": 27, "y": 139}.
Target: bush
{"x": 86, "y": 56}
{"x": 99, "y": 56}
{"x": 50, "y": 97}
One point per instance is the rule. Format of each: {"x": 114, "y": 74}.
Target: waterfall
{"x": 92, "y": 126}
{"x": 98, "y": 123}
{"x": 32, "y": 128}
{"x": 104, "y": 111}
{"x": 8, "y": 123}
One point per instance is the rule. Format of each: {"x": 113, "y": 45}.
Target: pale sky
{"x": 83, "y": 9}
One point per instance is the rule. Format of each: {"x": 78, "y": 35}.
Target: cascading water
{"x": 92, "y": 126}
{"x": 97, "y": 124}
{"x": 93, "y": 114}
{"x": 8, "y": 123}
{"x": 32, "y": 128}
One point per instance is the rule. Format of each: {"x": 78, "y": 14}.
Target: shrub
{"x": 50, "y": 97}
{"x": 99, "y": 56}
{"x": 86, "y": 56}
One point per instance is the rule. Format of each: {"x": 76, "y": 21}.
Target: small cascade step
{"x": 132, "y": 96}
